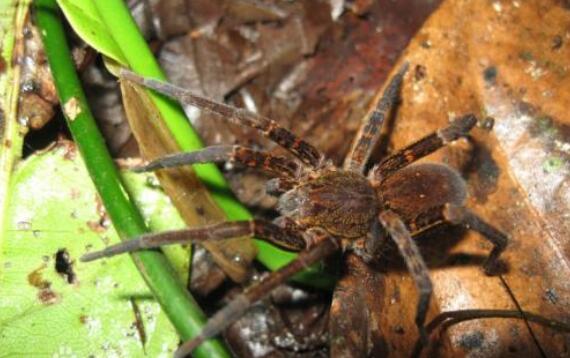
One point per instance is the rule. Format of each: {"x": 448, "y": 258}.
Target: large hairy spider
{"x": 325, "y": 208}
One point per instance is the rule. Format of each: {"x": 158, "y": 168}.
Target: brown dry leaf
{"x": 353, "y": 61}
{"x": 509, "y": 60}
{"x": 37, "y": 91}
{"x": 187, "y": 193}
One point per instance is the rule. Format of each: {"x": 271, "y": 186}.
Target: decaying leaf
{"x": 37, "y": 91}
{"x": 186, "y": 191}
{"x": 509, "y": 61}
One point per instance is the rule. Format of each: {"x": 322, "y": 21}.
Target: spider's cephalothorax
{"x": 341, "y": 202}
{"x": 324, "y": 208}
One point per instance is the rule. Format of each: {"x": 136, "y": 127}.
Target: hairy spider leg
{"x": 307, "y": 153}
{"x": 286, "y": 238}
{"x": 266, "y": 162}
{"x": 454, "y": 214}
{"x": 460, "y": 215}
{"x": 415, "y": 263}
{"x": 369, "y": 132}
{"x": 325, "y": 245}
{"x": 427, "y": 145}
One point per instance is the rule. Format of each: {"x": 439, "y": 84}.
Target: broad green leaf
{"x": 54, "y": 206}
{"x": 85, "y": 20}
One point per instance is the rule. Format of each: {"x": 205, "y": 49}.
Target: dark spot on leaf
{"x": 472, "y": 340}
{"x": 35, "y": 278}
{"x": 490, "y": 74}
{"x": 487, "y": 124}
{"x": 420, "y": 72}
{"x": 29, "y": 86}
{"x": 526, "y": 55}
{"x": 551, "y": 295}
{"x": 557, "y": 42}
{"x": 553, "y": 164}
{"x": 483, "y": 173}
{"x": 138, "y": 323}
{"x": 64, "y": 266}
{"x": 45, "y": 294}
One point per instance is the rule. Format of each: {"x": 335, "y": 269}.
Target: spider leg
{"x": 415, "y": 263}
{"x": 285, "y": 238}
{"x": 369, "y": 132}
{"x": 325, "y": 245}
{"x": 427, "y": 145}
{"x": 276, "y": 165}
{"x": 460, "y": 215}
{"x": 307, "y": 153}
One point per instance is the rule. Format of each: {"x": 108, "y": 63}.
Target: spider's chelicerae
{"x": 325, "y": 208}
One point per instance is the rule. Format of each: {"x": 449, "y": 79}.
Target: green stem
{"x": 182, "y": 311}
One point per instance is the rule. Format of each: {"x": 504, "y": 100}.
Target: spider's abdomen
{"x": 413, "y": 191}
{"x": 343, "y": 203}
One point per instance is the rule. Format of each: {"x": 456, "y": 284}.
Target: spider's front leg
{"x": 286, "y": 238}
{"x": 423, "y": 147}
{"x": 414, "y": 262}
{"x": 303, "y": 150}
{"x": 274, "y": 165}
{"x": 369, "y": 132}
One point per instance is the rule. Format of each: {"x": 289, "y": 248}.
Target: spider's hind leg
{"x": 457, "y": 214}
{"x": 414, "y": 262}
{"x": 325, "y": 246}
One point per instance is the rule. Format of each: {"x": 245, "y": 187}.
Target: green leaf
{"x": 55, "y": 206}
{"x": 85, "y": 20}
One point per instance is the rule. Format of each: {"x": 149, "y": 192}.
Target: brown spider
{"x": 325, "y": 208}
